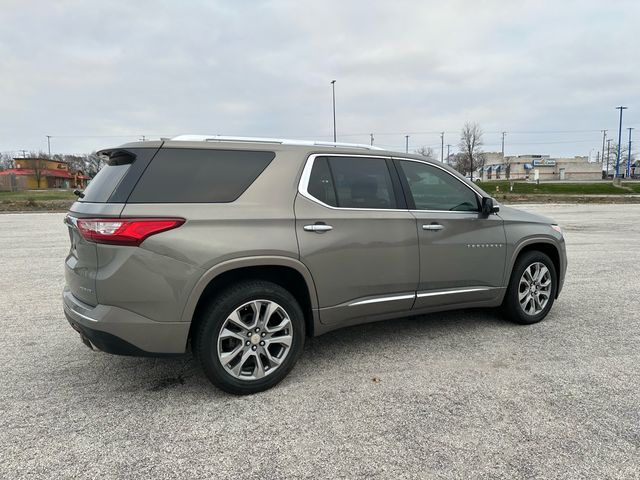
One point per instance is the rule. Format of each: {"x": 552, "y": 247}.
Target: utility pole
{"x": 621, "y": 108}
{"x": 604, "y": 139}
{"x": 49, "y": 144}
{"x": 333, "y": 90}
{"x": 406, "y": 143}
{"x": 629, "y": 154}
{"x": 448, "y": 149}
{"x": 508, "y": 167}
{"x": 371, "y": 135}
{"x": 441, "y": 147}
{"x": 608, "y": 154}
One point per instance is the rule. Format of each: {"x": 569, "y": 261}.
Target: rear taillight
{"x": 124, "y": 231}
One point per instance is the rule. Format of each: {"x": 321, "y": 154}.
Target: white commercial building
{"x": 542, "y": 167}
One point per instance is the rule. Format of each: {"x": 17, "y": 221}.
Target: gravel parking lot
{"x": 452, "y": 395}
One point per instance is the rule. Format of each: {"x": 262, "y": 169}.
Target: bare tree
{"x": 94, "y": 163}
{"x": 426, "y": 152}
{"x": 75, "y": 162}
{"x": 6, "y": 161}
{"x": 611, "y": 157}
{"x": 39, "y": 164}
{"x": 471, "y": 156}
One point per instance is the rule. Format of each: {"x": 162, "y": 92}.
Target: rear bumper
{"x": 122, "y": 332}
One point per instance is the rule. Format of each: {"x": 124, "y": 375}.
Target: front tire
{"x": 532, "y": 289}
{"x": 250, "y": 337}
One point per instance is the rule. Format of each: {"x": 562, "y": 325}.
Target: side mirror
{"x": 488, "y": 207}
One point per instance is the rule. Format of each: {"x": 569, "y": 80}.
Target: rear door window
{"x": 362, "y": 182}
{"x": 353, "y": 182}
{"x": 199, "y": 176}
{"x": 321, "y": 185}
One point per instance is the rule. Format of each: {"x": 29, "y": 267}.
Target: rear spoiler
{"x": 122, "y": 155}
{"x": 117, "y": 156}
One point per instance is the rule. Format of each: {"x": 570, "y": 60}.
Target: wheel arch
{"x": 286, "y": 272}
{"x": 541, "y": 244}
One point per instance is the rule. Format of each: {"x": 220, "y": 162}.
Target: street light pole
{"x": 621, "y": 108}
{"x": 441, "y": 147}
{"x": 333, "y": 90}
{"x": 49, "y": 144}
{"x": 448, "y": 149}
{"x": 629, "y": 154}
{"x": 604, "y": 139}
{"x": 371, "y": 135}
{"x": 406, "y": 143}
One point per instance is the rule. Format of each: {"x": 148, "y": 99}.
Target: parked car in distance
{"x": 237, "y": 249}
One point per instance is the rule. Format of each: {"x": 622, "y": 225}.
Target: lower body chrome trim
{"x": 453, "y": 291}
{"x": 392, "y": 298}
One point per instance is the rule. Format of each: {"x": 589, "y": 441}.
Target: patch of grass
{"x": 600, "y": 188}
{"x": 36, "y": 196}
{"x": 634, "y": 186}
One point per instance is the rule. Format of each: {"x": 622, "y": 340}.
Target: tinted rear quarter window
{"x": 115, "y": 180}
{"x": 104, "y": 183}
{"x": 199, "y": 176}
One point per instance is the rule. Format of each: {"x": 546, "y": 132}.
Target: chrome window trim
{"x": 391, "y": 298}
{"x": 451, "y": 291}
{"x": 303, "y": 184}
{"x": 306, "y": 174}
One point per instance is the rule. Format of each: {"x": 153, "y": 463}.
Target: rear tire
{"x": 249, "y": 337}
{"x": 532, "y": 289}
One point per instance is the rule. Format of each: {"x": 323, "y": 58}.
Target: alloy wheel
{"x": 255, "y": 339}
{"x": 534, "y": 289}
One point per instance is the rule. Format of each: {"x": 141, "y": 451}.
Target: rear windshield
{"x": 199, "y": 176}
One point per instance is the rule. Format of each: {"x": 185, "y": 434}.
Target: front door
{"x": 356, "y": 237}
{"x": 462, "y": 252}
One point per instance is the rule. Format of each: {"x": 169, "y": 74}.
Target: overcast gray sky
{"x": 85, "y": 71}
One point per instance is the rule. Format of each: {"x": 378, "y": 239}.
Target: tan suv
{"x": 242, "y": 247}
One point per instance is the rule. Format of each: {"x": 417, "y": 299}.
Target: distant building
{"x": 523, "y": 167}
{"x": 42, "y": 173}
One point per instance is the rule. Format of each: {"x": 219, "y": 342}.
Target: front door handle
{"x": 433, "y": 226}
{"x": 318, "y": 228}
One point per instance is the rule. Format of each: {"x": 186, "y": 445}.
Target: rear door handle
{"x": 433, "y": 226}
{"x": 318, "y": 228}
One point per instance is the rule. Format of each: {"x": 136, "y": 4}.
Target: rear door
{"x": 356, "y": 236}
{"x": 462, "y": 252}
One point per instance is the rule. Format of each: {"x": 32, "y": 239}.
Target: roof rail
{"x": 280, "y": 141}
